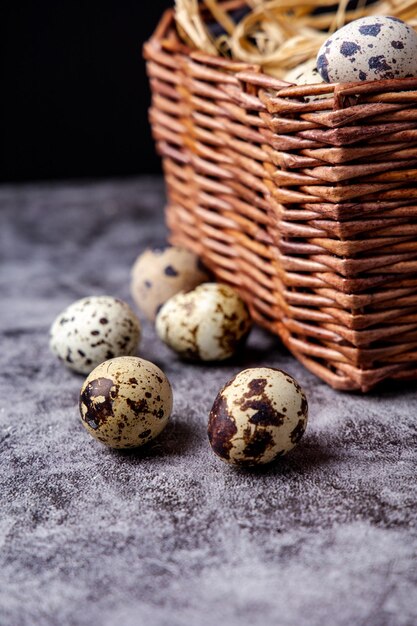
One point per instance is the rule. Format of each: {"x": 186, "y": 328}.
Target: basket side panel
{"x": 213, "y": 163}
{"x": 344, "y": 224}
{"x": 303, "y": 198}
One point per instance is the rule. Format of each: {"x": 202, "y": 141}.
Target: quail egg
{"x": 125, "y": 402}
{"x": 258, "y": 416}
{"x": 207, "y": 324}
{"x": 304, "y": 74}
{"x": 157, "y": 275}
{"x": 370, "y": 48}
{"x": 93, "y": 330}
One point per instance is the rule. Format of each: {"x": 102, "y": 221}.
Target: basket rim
{"x": 254, "y": 74}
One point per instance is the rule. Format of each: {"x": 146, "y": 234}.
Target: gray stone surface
{"x": 171, "y": 536}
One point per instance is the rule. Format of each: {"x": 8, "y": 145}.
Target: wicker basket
{"x": 307, "y": 206}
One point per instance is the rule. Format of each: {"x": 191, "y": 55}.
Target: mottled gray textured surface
{"x": 171, "y": 536}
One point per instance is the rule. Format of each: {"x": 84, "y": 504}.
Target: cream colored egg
{"x": 157, "y": 275}
{"x": 258, "y": 416}
{"x": 92, "y": 330}
{"x": 376, "y": 47}
{"x": 304, "y": 74}
{"x": 125, "y": 402}
{"x": 207, "y": 324}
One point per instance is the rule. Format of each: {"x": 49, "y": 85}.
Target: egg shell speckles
{"x": 93, "y": 330}
{"x": 208, "y": 323}
{"x": 157, "y": 275}
{"x": 304, "y": 74}
{"x": 125, "y": 402}
{"x": 370, "y": 48}
{"x": 258, "y": 416}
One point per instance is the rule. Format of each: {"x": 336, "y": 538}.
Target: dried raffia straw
{"x": 192, "y": 28}
{"x": 275, "y": 34}
{"x": 269, "y": 38}
{"x": 404, "y": 9}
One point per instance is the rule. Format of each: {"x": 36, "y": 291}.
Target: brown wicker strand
{"x": 307, "y": 205}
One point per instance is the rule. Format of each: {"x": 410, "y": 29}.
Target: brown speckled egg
{"x": 157, "y": 275}
{"x": 258, "y": 416}
{"x": 207, "y": 324}
{"x": 93, "y": 330}
{"x": 125, "y": 402}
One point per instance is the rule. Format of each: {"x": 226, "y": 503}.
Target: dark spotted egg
{"x": 258, "y": 416}
{"x": 207, "y": 324}
{"x": 370, "y": 48}
{"x": 125, "y": 402}
{"x": 157, "y": 275}
{"x": 93, "y": 330}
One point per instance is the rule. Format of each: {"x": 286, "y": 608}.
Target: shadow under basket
{"x": 304, "y": 198}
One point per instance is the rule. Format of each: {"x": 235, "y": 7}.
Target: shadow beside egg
{"x": 256, "y": 349}
{"x": 263, "y": 348}
{"x": 308, "y": 456}
{"x": 174, "y": 441}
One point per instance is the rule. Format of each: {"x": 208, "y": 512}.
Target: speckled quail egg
{"x": 157, "y": 275}
{"x": 207, "y": 324}
{"x": 304, "y": 74}
{"x": 370, "y": 48}
{"x": 125, "y": 402}
{"x": 93, "y": 330}
{"x": 258, "y": 416}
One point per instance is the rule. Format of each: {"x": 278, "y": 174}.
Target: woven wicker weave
{"x": 307, "y": 206}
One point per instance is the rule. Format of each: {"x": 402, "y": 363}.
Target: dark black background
{"x": 73, "y": 93}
